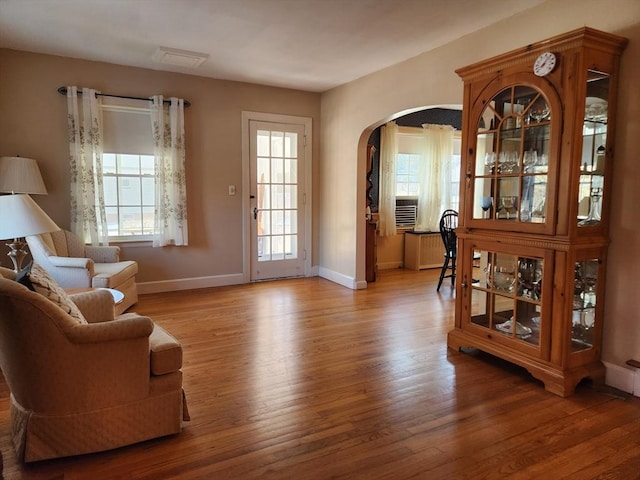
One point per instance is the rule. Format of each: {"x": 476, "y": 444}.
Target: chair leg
{"x": 453, "y": 272}
{"x": 442, "y": 272}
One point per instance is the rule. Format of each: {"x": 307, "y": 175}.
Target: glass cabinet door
{"x": 512, "y": 158}
{"x": 594, "y": 145}
{"x": 507, "y": 297}
{"x": 585, "y": 321}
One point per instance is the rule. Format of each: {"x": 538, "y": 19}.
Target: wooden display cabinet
{"x": 538, "y": 131}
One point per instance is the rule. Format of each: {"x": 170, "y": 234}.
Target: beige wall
{"x": 351, "y": 111}
{"x": 33, "y": 124}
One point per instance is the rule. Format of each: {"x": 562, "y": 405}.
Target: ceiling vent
{"x": 180, "y": 58}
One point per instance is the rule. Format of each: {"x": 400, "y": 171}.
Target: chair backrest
{"x": 448, "y": 224}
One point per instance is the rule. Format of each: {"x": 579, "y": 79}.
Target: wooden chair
{"x": 448, "y": 224}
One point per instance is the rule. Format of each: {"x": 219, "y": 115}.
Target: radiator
{"x": 423, "y": 250}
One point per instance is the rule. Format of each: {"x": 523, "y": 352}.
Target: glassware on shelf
{"x": 508, "y": 162}
{"x": 539, "y": 111}
{"x": 486, "y": 203}
{"x": 578, "y": 286}
{"x": 510, "y": 206}
{"x": 521, "y": 331}
{"x": 503, "y": 278}
{"x": 593, "y": 217}
{"x": 529, "y": 278}
{"x": 490, "y": 162}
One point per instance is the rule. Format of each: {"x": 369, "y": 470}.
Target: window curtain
{"x": 88, "y": 217}
{"x": 435, "y": 176}
{"x": 387, "y": 201}
{"x": 171, "y": 193}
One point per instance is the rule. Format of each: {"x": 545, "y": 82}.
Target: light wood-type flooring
{"x": 304, "y": 379}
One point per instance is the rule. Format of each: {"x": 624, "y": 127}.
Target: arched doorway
{"x": 392, "y": 249}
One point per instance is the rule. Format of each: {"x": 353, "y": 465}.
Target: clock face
{"x": 544, "y": 64}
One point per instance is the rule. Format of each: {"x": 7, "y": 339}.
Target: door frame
{"x": 306, "y": 184}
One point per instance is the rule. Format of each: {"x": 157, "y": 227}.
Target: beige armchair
{"x": 88, "y": 384}
{"x": 76, "y": 265}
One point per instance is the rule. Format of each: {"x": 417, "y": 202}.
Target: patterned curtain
{"x": 435, "y": 176}
{"x": 387, "y": 203}
{"x": 88, "y": 218}
{"x": 171, "y": 192}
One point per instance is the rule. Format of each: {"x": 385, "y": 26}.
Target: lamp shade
{"x": 20, "y": 217}
{"x": 20, "y": 175}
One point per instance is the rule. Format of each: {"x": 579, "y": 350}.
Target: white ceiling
{"x": 310, "y": 45}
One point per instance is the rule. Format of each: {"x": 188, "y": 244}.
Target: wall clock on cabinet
{"x": 544, "y": 64}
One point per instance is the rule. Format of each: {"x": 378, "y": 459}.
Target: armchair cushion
{"x": 166, "y": 352}
{"x": 45, "y": 285}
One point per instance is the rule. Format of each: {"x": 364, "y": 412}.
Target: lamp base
{"x": 17, "y": 253}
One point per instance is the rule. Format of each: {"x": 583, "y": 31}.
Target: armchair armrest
{"x": 103, "y": 254}
{"x": 96, "y": 305}
{"x": 71, "y": 262}
{"x": 122, "y": 328}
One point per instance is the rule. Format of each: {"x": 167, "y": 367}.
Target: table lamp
{"x": 20, "y": 175}
{"x": 20, "y": 216}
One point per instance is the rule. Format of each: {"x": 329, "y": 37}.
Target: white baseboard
{"x": 198, "y": 282}
{"x": 341, "y": 279}
{"x": 190, "y": 283}
{"x": 623, "y": 378}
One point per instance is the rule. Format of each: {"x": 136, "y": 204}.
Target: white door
{"x": 277, "y": 200}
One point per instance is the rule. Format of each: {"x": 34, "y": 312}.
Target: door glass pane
{"x": 291, "y": 170}
{"x": 277, "y": 222}
{"x": 263, "y": 170}
{"x": 263, "y": 143}
{"x": 584, "y": 304}
{"x": 290, "y": 196}
{"x": 264, "y": 249}
{"x": 277, "y": 170}
{"x": 594, "y": 147}
{"x": 277, "y": 196}
{"x": 277, "y": 144}
{"x": 484, "y": 190}
{"x": 533, "y": 205}
{"x": 507, "y": 198}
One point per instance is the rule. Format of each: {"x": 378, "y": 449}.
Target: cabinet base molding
{"x": 557, "y": 381}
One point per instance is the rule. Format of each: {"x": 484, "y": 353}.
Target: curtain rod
{"x": 63, "y": 91}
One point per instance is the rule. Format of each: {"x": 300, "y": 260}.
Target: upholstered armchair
{"x": 76, "y": 265}
{"x": 81, "y": 379}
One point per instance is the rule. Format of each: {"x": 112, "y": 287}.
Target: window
{"x": 128, "y": 169}
{"x": 407, "y": 178}
{"x": 129, "y": 194}
{"x": 407, "y": 165}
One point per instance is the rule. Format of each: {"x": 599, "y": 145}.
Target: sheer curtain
{"x": 435, "y": 176}
{"x": 171, "y": 193}
{"x": 387, "y": 201}
{"x": 88, "y": 217}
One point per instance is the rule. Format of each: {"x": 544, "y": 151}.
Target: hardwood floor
{"x": 305, "y": 379}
